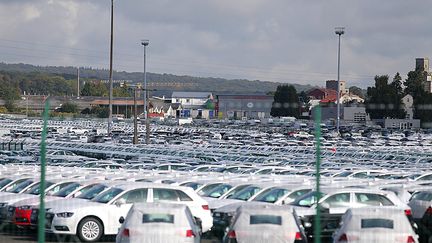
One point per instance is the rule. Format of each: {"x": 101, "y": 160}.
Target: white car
{"x": 375, "y": 224}
{"x": 157, "y": 222}
{"x": 92, "y": 219}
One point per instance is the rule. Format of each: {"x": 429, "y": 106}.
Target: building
{"x": 333, "y": 85}
{"x": 321, "y": 94}
{"x": 244, "y": 106}
{"x": 422, "y": 64}
{"x": 408, "y": 106}
{"x": 195, "y": 104}
{"x": 356, "y": 114}
{"x": 402, "y": 123}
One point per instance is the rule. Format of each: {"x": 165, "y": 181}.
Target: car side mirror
{"x": 76, "y": 194}
{"x": 120, "y": 202}
{"x": 121, "y": 220}
{"x": 324, "y": 206}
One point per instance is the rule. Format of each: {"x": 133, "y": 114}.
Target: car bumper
{"x": 57, "y": 225}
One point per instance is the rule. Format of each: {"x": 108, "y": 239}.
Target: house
{"x": 194, "y": 104}
{"x": 322, "y": 94}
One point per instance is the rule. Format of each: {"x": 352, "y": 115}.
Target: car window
{"x": 67, "y": 190}
{"x": 369, "y": 199}
{"x": 265, "y": 219}
{"x": 208, "y": 188}
{"x": 298, "y": 193}
{"x": 246, "y": 193}
{"x": 377, "y": 223}
{"x": 193, "y": 185}
{"x": 160, "y": 194}
{"x": 59, "y": 187}
{"x": 158, "y": 218}
{"x": 108, "y": 195}
{"x": 422, "y": 196}
{"x": 426, "y": 178}
{"x": 218, "y": 191}
{"x": 338, "y": 200}
{"x": 135, "y": 196}
{"x": 92, "y": 192}
{"x": 183, "y": 196}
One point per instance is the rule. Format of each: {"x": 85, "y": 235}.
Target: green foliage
{"x": 414, "y": 85}
{"x": 69, "y": 107}
{"x": 357, "y": 91}
{"x": 94, "y": 89}
{"x": 286, "y": 102}
{"x": 121, "y": 92}
{"x": 384, "y": 100}
{"x": 98, "y": 111}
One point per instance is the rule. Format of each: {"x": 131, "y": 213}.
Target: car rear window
{"x": 377, "y": 223}
{"x": 158, "y": 218}
{"x": 422, "y": 196}
{"x": 265, "y": 219}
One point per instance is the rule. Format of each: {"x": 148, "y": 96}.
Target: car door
{"x": 121, "y": 210}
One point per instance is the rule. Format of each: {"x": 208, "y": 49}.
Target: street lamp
{"x": 147, "y": 124}
{"x": 111, "y": 70}
{"x": 339, "y": 31}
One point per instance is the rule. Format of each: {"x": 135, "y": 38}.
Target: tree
{"x": 357, "y": 91}
{"x": 94, "y": 89}
{"x": 385, "y": 100}
{"x": 121, "y": 91}
{"x": 414, "y": 85}
{"x": 286, "y": 102}
{"x": 69, "y": 107}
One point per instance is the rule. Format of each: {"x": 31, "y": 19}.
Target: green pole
{"x": 41, "y": 216}
{"x": 317, "y": 224}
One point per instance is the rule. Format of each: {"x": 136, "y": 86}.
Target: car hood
{"x": 34, "y": 201}
{"x": 71, "y": 205}
{"x": 220, "y": 203}
{"x": 11, "y": 199}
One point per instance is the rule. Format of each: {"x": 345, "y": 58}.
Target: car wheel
{"x": 90, "y": 230}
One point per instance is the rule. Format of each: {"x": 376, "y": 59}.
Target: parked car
{"x": 159, "y": 222}
{"x": 375, "y": 224}
{"x": 421, "y": 206}
{"x": 265, "y": 223}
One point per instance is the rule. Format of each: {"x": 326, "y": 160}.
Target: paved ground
{"x": 21, "y": 236}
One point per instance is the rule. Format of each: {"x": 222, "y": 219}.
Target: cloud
{"x": 277, "y": 40}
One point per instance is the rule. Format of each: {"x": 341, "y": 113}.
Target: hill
{"x": 165, "y": 83}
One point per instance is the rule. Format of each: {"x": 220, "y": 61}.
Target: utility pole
{"x": 111, "y": 70}
{"x": 339, "y": 31}
{"x": 78, "y": 82}
{"x": 146, "y": 106}
{"x": 135, "y": 136}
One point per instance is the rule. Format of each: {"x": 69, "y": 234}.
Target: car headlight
{"x": 65, "y": 215}
{"x": 26, "y": 207}
{"x": 11, "y": 208}
{"x": 217, "y": 215}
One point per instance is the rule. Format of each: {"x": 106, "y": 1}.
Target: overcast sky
{"x": 276, "y": 40}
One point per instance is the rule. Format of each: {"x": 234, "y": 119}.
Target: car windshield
{"x": 35, "y": 189}
{"x": 4, "y": 182}
{"x": 246, "y": 193}
{"x": 207, "y": 188}
{"x": 422, "y": 196}
{"x": 92, "y": 192}
{"x": 67, "y": 190}
{"x": 217, "y": 191}
{"x": 18, "y": 188}
{"x": 271, "y": 195}
{"x": 308, "y": 199}
{"x": 107, "y": 196}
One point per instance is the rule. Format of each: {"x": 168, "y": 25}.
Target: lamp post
{"x": 147, "y": 124}
{"x": 111, "y": 70}
{"x": 339, "y": 31}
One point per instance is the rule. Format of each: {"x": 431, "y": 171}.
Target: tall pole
{"x": 111, "y": 70}
{"x": 78, "y": 82}
{"x": 147, "y": 123}
{"x": 339, "y": 31}
{"x": 135, "y": 136}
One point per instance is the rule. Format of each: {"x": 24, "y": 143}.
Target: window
{"x": 271, "y": 195}
{"x": 160, "y": 194}
{"x": 245, "y": 194}
{"x": 265, "y": 219}
{"x": 338, "y": 200}
{"x": 135, "y": 196}
{"x": 369, "y": 199}
{"x": 376, "y": 223}
{"x": 422, "y": 196}
{"x": 158, "y": 218}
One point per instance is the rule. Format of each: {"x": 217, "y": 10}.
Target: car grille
{"x": 49, "y": 218}
{"x": 34, "y": 216}
{"x": 3, "y": 211}
{"x": 10, "y": 212}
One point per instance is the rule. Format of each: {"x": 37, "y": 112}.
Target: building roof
{"x": 197, "y": 95}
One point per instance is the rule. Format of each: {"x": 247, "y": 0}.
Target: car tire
{"x": 90, "y": 229}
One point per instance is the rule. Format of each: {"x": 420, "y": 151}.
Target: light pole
{"x": 147, "y": 124}
{"x": 339, "y": 31}
{"x": 111, "y": 70}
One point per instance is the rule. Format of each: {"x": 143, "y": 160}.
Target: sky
{"x": 290, "y": 41}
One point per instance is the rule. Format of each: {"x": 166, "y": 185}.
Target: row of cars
{"x": 91, "y": 203}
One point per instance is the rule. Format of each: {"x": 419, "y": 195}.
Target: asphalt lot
{"x": 24, "y": 236}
